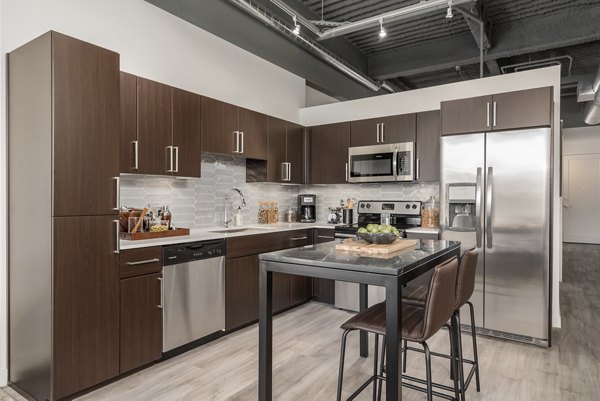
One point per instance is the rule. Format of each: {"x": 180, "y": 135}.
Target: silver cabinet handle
{"x": 378, "y": 133}
{"x": 478, "y": 204}
{"x": 143, "y": 262}
{"x": 162, "y": 292}
{"x": 495, "y": 112}
{"x": 237, "y": 141}
{"x": 242, "y": 142}
{"x": 325, "y": 237}
{"x": 176, "y": 159}
{"x": 345, "y": 236}
{"x": 117, "y": 235}
{"x": 489, "y": 208}
{"x": 169, "y": 150}
{"x": 136, "y": 154}
{"x": 382, "y": 132}
{"x": 346, "y": 172}
{"x": 418, "y": 168}
{"x": 117, "y": 193}
{"x": 487, "y": 124}
{"x": 298, "y": 238}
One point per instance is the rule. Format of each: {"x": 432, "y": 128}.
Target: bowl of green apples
{"x": 379, "y": 233}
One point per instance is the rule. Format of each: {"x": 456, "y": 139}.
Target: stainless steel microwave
{"x": 382, "y": 163}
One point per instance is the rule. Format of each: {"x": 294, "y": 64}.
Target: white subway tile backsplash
{"x": 199, "y": 203}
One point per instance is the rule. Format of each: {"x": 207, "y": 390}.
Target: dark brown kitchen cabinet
{"x": 85, "y": 96}
{"x": 512, "y": 110}
{"x": 281, "y": 292}
{"x": 85, "y": 278}
{"x": 128, "y": 136}
{"x": 285, "y": 161}
{"x": 232, "y": 130}
{"x": 140, "y": 261}
{"x": 63, "y": 135}
{"x": 241, "y": 291}
{"x": 377, "y": 131}
{"x": 323, "y": 290}
{"x": 187, "y": 133}
{"x": 329, "y": 153}
{"x": 428, "y": 146}
{"x": 155, "y": 118}
{"x": 141, "y": 321}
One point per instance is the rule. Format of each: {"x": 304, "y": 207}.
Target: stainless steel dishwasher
{"x": 193, "y": 292}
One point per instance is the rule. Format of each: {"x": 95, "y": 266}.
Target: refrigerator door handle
{"x": 489, "y": 207}
{"x": 478, "y": 205}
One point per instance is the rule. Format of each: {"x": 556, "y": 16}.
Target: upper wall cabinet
{"x": 160, "y": 128}
{"x": 232, "y": 130}
{"x": 392, "y": 129}
{"x": 512, "y": 110}
{"x": 329, "y": 153}
{"x": 285, "y": 161}
{"x": 428, "y": 146}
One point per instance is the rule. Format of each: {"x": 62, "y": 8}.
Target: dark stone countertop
{"x": 325, "y": 255}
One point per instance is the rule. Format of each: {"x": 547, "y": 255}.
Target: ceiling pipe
{"x": 315, "y": 48}
{"x": 592, "y": 111}
{"x": 422, "y": 7}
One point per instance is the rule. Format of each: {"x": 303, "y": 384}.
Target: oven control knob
{"x": 368, "y": 205}
{"x": 414, "y": 206}
{"x": 362, "y": 205}
{"x": 407, "y": 206}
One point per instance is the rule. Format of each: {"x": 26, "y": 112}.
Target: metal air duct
{"x": 272, "y": 21}
{"x": 592, "y": 111}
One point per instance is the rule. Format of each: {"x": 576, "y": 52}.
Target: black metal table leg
{"x": 265, "y": 335}
{"x": 363, "y": 304}
{"x": 457, "y": 353}
{"x": 393, "y": 317}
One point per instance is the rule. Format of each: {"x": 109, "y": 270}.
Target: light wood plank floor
{"x": 306, "y": 352}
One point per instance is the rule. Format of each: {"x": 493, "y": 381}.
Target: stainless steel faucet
{"x": 228, "y": 219}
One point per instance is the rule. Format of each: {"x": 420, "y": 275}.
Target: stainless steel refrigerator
{"x": 496, "y": 196}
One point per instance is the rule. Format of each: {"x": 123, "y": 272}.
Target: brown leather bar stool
{"x": 465, "y": 285}
{"x": 418, "y": 325}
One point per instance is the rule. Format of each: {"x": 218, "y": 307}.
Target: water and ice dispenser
{"x": 461, "y": 206}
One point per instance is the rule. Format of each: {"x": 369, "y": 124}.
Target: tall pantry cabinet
{"x": 63, "y": 124}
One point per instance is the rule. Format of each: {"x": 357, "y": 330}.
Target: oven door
{"x": 381, "y": 163}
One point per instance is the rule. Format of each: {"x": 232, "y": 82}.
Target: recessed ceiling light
{"x": 382, "y": 32}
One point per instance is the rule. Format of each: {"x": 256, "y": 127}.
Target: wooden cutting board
{"x": 364, "y": 247}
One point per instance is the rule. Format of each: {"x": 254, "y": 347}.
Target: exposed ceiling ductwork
{"x": 315, "y": 48}
{"x": 590, "y": 91}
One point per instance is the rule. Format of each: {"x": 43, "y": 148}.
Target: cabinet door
{"x": 253, "y": 126}
{"x": 523, "y": 109}
{"x": 464, "y": 116}
{"x": 428, "y": 146}
{"x": 241, "y": 291}
{"x": 219, "y": 123}
{"x": 85, "y": 128}
{"x": 154, "y": 127}
{"x": 365, "y": 132}
{"x": 141, "y": 321}
{"x": 187, "y": 133}
{"x": 323, "y": 290}
{"x": 85, "y": 278}
{"x": 281, "y": 291}
{"x": 324, "y": 235}
{"x": 300, "y": 289}
{"x": 329, "y": 153}
{"x": 295, "y": 152}
{"x": 277, "y": 146}
{"x": 398, "y": 129}
{"x": 128, "y": 144}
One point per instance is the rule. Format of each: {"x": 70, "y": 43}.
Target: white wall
{"x": 430, "y": 98}
{"x": 579, "y": 141}
{"x": 152, "y": 44}
{"x": 317, "y": 98}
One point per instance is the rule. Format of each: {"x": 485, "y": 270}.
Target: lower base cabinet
{"x": 241, "y": 291}
{"x": 141, "y": 321}
{"x": 323, "y": 290}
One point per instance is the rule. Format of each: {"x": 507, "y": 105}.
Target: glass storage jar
{"x": 430, "y": 213}
{"x": 263, "y": 213}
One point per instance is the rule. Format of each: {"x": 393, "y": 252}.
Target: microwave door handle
{"x": 478, "y": 205}
{"x": 395, "y": 164}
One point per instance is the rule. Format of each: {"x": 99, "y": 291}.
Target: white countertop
{"x": 204, "y": 234}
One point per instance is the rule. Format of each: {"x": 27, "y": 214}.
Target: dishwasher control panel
{"x": 183, "y": 253}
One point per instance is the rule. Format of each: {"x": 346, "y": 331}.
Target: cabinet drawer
{"x": 324, "y": 235}
{"x": 300, "y": 238}
{"x": 136, "y": 262}
{"x": 257, "y": 244}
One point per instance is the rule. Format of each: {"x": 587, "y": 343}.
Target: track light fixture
{"x": 382, "y": 32}
{"x": 296, "y": 30}
{"x": 449, "y": 10}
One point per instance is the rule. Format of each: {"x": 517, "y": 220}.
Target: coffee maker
{"x": 461, "y": 207}
{"x": 308, "y": 208}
